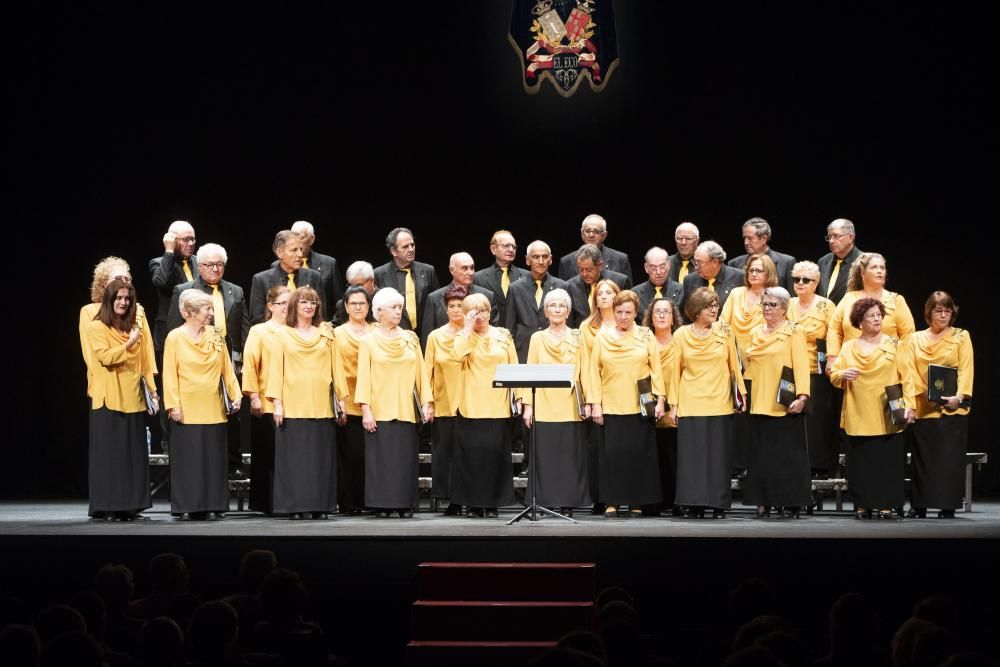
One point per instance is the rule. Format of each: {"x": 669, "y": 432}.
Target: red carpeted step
{"x": 506, "y": 581}
{"x": 482, "y": 654}
{"x": 498, "y": 620}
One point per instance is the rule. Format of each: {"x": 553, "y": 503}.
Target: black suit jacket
{"x": 579, "y": 292}
{"x": 826, "y": 264}
{"x": 424, "y": 280}
{"x": 237, "y": 318}
{"x": 725, "y": 281}
{"x": 490, "y": 279}
{"x": 782, "y": 262}
{"x": 646, "y": 291}
{"x": 523, "y": 316}
{"x": 332, "y": 280}
{"x": 166, "y": 274}
{"x": 265, "y": 280}
{"x": 675, "y": 267}
{"x": 435, "y": 313}
{"x": 614, "y": 260}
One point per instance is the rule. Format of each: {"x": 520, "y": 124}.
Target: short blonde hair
{"x": 102, "y": 276}
{"x": 810, "y": 269}
{"x": 192, "y": 300}
{"x": 558, "y": 295}
{"x": 476, "y": 302}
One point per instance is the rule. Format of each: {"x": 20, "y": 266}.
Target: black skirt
{"x": 262, "y": 463}
{"x": 351, "y": 465}
{"x": 938, "y": 449}
{"x": 392, "y": 466}
{"x": 443, "y": 449}
{"x": 778, "y": 462}
{"x": 482, "y": 474}
{"x": 595, "y": 440}
{"x": 704, "y": 461}
{"x": 305, "y": 466}
{"x": 560, "y": 466}
{"x": 666, "y": 457}
{"x": 198, "y": 479}
{"x": 875, "y": 471}
{"x": 821, "y": 425}
{"x": 118, "y": 468}
{"x": 629, "y": 471}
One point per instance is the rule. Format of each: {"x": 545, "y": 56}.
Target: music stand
{"x": 545, "y": 376}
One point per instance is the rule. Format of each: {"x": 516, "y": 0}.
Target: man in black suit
{"x": 333, "y": 283}
{"x": 462, "y": 268}
{"x": 686, "y": 237}
{"x": 593, "y": 231}
{"x": 288, "y": 247}
{"x": 591, "y": 269}
{"x": 835, "y": 265}
{"x": 362, "y": 274}
{"x": 402, "y": 269}
{"x": 657, "y": 266}
{"x": 756, "y": 237}
{"x": 177, "y": 265}
{"x": 230, "y": 315}
{"x": 503, "y": 274}
{"x": 525, "y": 315}
{"x": 712, "y": 272}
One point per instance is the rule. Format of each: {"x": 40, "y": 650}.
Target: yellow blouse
{"x": 445, "y": 371}
{"x": 389, "y": 369}
{"x": 865, "y": 404}
{"x": 480, "y": 355}
{"x": 116, "y": 371}
{"x": 346, "y": 378}
{"x": 741, "y": 320}
{"x": 667, "y": 353}
{"x": 557, "y": 405}
{"x": 257, "y": 362}
{"x": 617, "y": 363}
{"x": 87, "y": 315}
{"x": 301, "y": 376}
{"x": 953, "y": 349}
{"x": 897, "y": 323}
{"x": 587, "y": 336}
{"x": 703, "y": 371}
{"x": 765, "y": 357}
{"x": 191, "y": 373}
{"x": 813, "y": 322}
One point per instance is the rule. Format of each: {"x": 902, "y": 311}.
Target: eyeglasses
{"x": 661, "y": 312}
{"x": 769, "y": 305}
{"x": 873, "y": 316}
{"x": 712, "y": 306}
{"x": 685, "y": 239}
{"x": 214, "y": 265}
{"x": 803, "y": 280}
{"x": 942, "y": 311}
{"x": 755, "y": 270}
{"x": 833, "y": 237}
{"x": 592, "y": 231}
{"x": 309, "y": 303}
{"x": 507, "y": 246}
{"x": 279, "y": 303}
{"x": 185, "y": 239}
{"x": 357, "y": 304}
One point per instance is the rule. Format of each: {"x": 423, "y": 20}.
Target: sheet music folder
{"x": 542, "y": 376}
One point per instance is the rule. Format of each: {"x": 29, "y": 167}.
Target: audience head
{"x": 115, "y": 584}
{"x": 168, "y": 573}
{"x": 254, "y": 566}
{"x": 92, "y": 608}
{"x": 58, "y": 619}
{"x": 585, "y": 642}
{"x": 160, "y": 643}
{"x": 753, "y": 630}
{"x": 283, "y": 595}
{"x": 72, "y": 649}
{"x": 852, "y": 625}
{"x": 212, "y": 631}
{"x": 19, "y": 645}
{"x": 612, "y": 593}
{"x": 788, "y": 648}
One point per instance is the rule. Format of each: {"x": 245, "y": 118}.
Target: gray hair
{"x": 303, "y": 227}
{"x": 178, "y": 226}
{"x": 359, "y": 273}
{"x": 540, "y": 243}
{"x": 212, "y": 249}
{"x": 760, "y": 227}
{"x": 390, "y": 239}
{"x": 191, "y": 300}
{"x": 810, "y": 268}
{"x": 591, "y": 252}
{"x": 779, "y": 293}
{"x": 655, "y": 248}
{"x": 596, "y": 219}
{"x": 843, "y": 224}
{"x": 385, "y": 298}
{"x": 558, "y": 295}
{"x": 688, "y": 225}
{"x": 712, "y": 249}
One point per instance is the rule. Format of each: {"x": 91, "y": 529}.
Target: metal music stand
{"x": 545, "y": 376}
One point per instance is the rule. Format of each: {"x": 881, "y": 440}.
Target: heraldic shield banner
{"x": 564, "y": 41}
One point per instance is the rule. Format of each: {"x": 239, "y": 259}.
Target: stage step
{"x": 462, "y": 654}
{"x": 507, "y": 581}
{"x": 499, "y": 620}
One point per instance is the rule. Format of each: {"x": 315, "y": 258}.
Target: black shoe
{"x": 677, "y": 510}
{"x": 762, "y": 513}
{"x": 718, "y": 514}
{"x": 381, "y": 514}
{"x": 566, "y": 511}
{"x": 453, "y": 510}
{"x": 185, "y": 516}
{"x": 405, "y": 514}
{"x": 916, "y": 513}
{"x": 478, "y": 512}
{"x": 99, "y": 516}
{"x": 134, "y": 516}
{"x": 886, "y": 516}
{"x": 214, "y": 516}
{"x": 779, "y": 512}
{"x": 793, "y": 513}
{"x": 862, "y": 514}
{"x": 696, "y": 513}
{"x": 296, "y": 516}
{"x": 491, "y": 513}
{"x": 320, "y": 516}
{"x": 598, "y": 509}
{"x": 237, "y": 473}
{"x": 946, "y": 514}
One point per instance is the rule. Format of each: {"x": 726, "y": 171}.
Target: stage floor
{"x": 69, "y": 518}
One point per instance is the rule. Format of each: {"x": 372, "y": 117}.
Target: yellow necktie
{"x": 682, "y": 274}
{"x": 291, "y": 281}
{"x": 187, "y": 269}
{"x": 590, "y": 297}
{"x": 411, "y": 298}
{"x": 833, "y": 277}
{"x": 538, "y": 293}
{"x": 504, "y": 279}
{"x": 305, "y": 262}
{"x": 659, "y": 292}
{"x": 219, "y": 307}
{"x": 711, "y": 283}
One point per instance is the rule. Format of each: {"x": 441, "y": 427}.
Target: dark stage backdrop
{"x": 360, "y": 117}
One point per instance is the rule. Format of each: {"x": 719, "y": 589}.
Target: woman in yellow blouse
{"x": 256, "y": 366}
{"x": 195, "y": 360}
{"x": 392, "y": 380}
{"x": 864, "y": 368}
{"x": 628, "y": 468}
{"x": 351, "y": 444}
{"x": 939, "y": 436}
{"x": 703, "y": 377}
{"x": 482, "y": 477}
{"x": 301, "y": 384}
{"x": 663, "y": 318}
{"x": 867, "y": 279}
{"x": 778, "y": 461}
{"x": 446, "y": 381}
{"x": 560, "y": 450}
{"x": 118, "y": 468}
{"x": 812, "y": 313}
